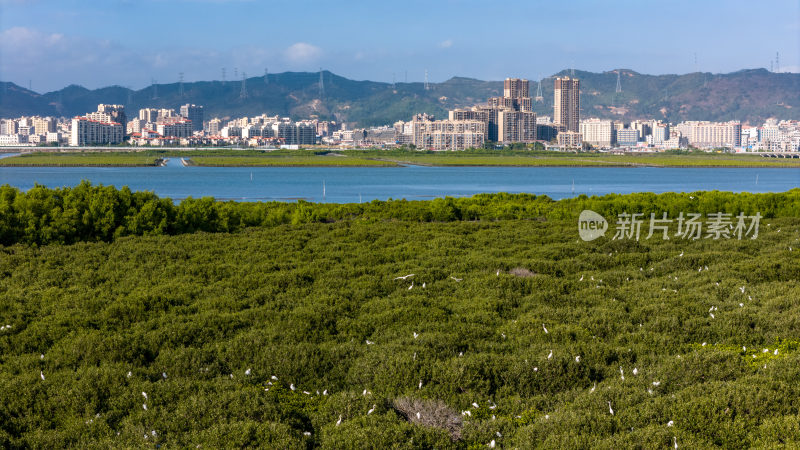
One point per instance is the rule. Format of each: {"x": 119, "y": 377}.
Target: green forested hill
{"x": 300, "y": 336}
{"x": 747, "y": 95}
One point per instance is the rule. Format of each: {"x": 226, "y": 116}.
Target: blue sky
{"x": 127, "y": 42}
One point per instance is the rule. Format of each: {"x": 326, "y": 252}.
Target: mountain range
{"x": 747, "y": 95}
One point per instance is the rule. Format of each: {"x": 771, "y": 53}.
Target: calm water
{"x": 413, "y": 183}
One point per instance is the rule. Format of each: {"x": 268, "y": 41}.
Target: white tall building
{"x": 712, "y": 134}
{"x": 87, "y": 131}
{"x": 597, "y": 132}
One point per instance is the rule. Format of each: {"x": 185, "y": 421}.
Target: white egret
{"x": 681, "y": 254}
{"x": 675, "y": 441}
{"x": 291, "y": 386}
{"x": 41, "y": 375}
{"x": 364, "y": 393}
{"x": 670, "y": 423}
{"x": 545, "y": 329}
{"x": 371, "y": 410}
{"x": 306, "y": 392}
{"x": 593, "y": 388}
{"x": 144, "y": 406}
{"x": 306, "y": 433}
{"x": 423, "y": 285}
{"x": 412, "y": 286}
{"x": 144, "y": 394}
{"x": 635, "y": 371}
{"x": 475, "y": 405}
{"x": 578, "y": 359}
{"x": 404, "y": 277}
{"x": 325, "y": 392}
{"x": 274, "y": 378}
{"x": 610, "y": 409}
{"x": 550, "y": 355}
{"x": 129, "y": 374}
{"x": 415, "y": 335}
{"x": 581, "y": 278}
{"x": 656, "y": 383}
{"x": 339, "y": 422}
{"x": 498, "y": 271}
{"x": 491, "y": 444}
{"x": 164, "y": 375}
{"x": 41, "y": 356}
{"x": 247, "y": 372}
{"x": 457, "y": 279}
{"x": 420, "y": 385}
{"x": 621, "y": 373}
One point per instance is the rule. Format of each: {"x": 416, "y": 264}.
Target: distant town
{"x": 501, "y": 121}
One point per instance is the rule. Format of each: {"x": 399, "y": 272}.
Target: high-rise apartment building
{"x": 87, "y": 131}
{"x": 510, "y": 118}
{"x": 597, "y": 132}
{"x": 214, "y": 126}
{"x": 195, "y": 114}
{"x": 712, "y": 134}
{"x": 567, "y": 103}
{"x": 148, "y": 114}
{"x": 115, "y": 112}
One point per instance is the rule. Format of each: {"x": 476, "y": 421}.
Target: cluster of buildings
{"x": 505, "y": 119}
{"x": 500, "y": 121}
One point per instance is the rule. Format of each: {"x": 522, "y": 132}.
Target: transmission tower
{"x": 235, "y": 72}
{"x": 777, "y": 62}
{"x": 266, "y": 76}
{"x": 321, "y": 85}
{"x": 180, "y": 84}
{"x": 619, "y": 86}
{"x": 223, "y": 76}
{"x": 243, "y": 91}
{"x": 155, "y": 88}
{"x": 539, "y": 97}
{"x": 426, "y": 85}
{"x": 393, "y": 81}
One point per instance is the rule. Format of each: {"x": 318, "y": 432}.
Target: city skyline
{"x": 125, "y": 43}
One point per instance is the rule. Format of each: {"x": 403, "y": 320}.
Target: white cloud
{"x": 447, "y": 43}
{"x": 301, "y": 52}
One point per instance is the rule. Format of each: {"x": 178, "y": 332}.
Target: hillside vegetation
{"x": 747, "y": 95}
{"x": 290, "y": 328}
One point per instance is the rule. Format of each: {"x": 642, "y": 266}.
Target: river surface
{"x": 354, "y": 184}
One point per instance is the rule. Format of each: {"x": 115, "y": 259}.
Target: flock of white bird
{"x": 475, "y": 405}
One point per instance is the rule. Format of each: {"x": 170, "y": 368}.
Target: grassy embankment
{"x": 372, "y": 158}
{"x": 299, "y": 335}
{"x": 78, "y": 159}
